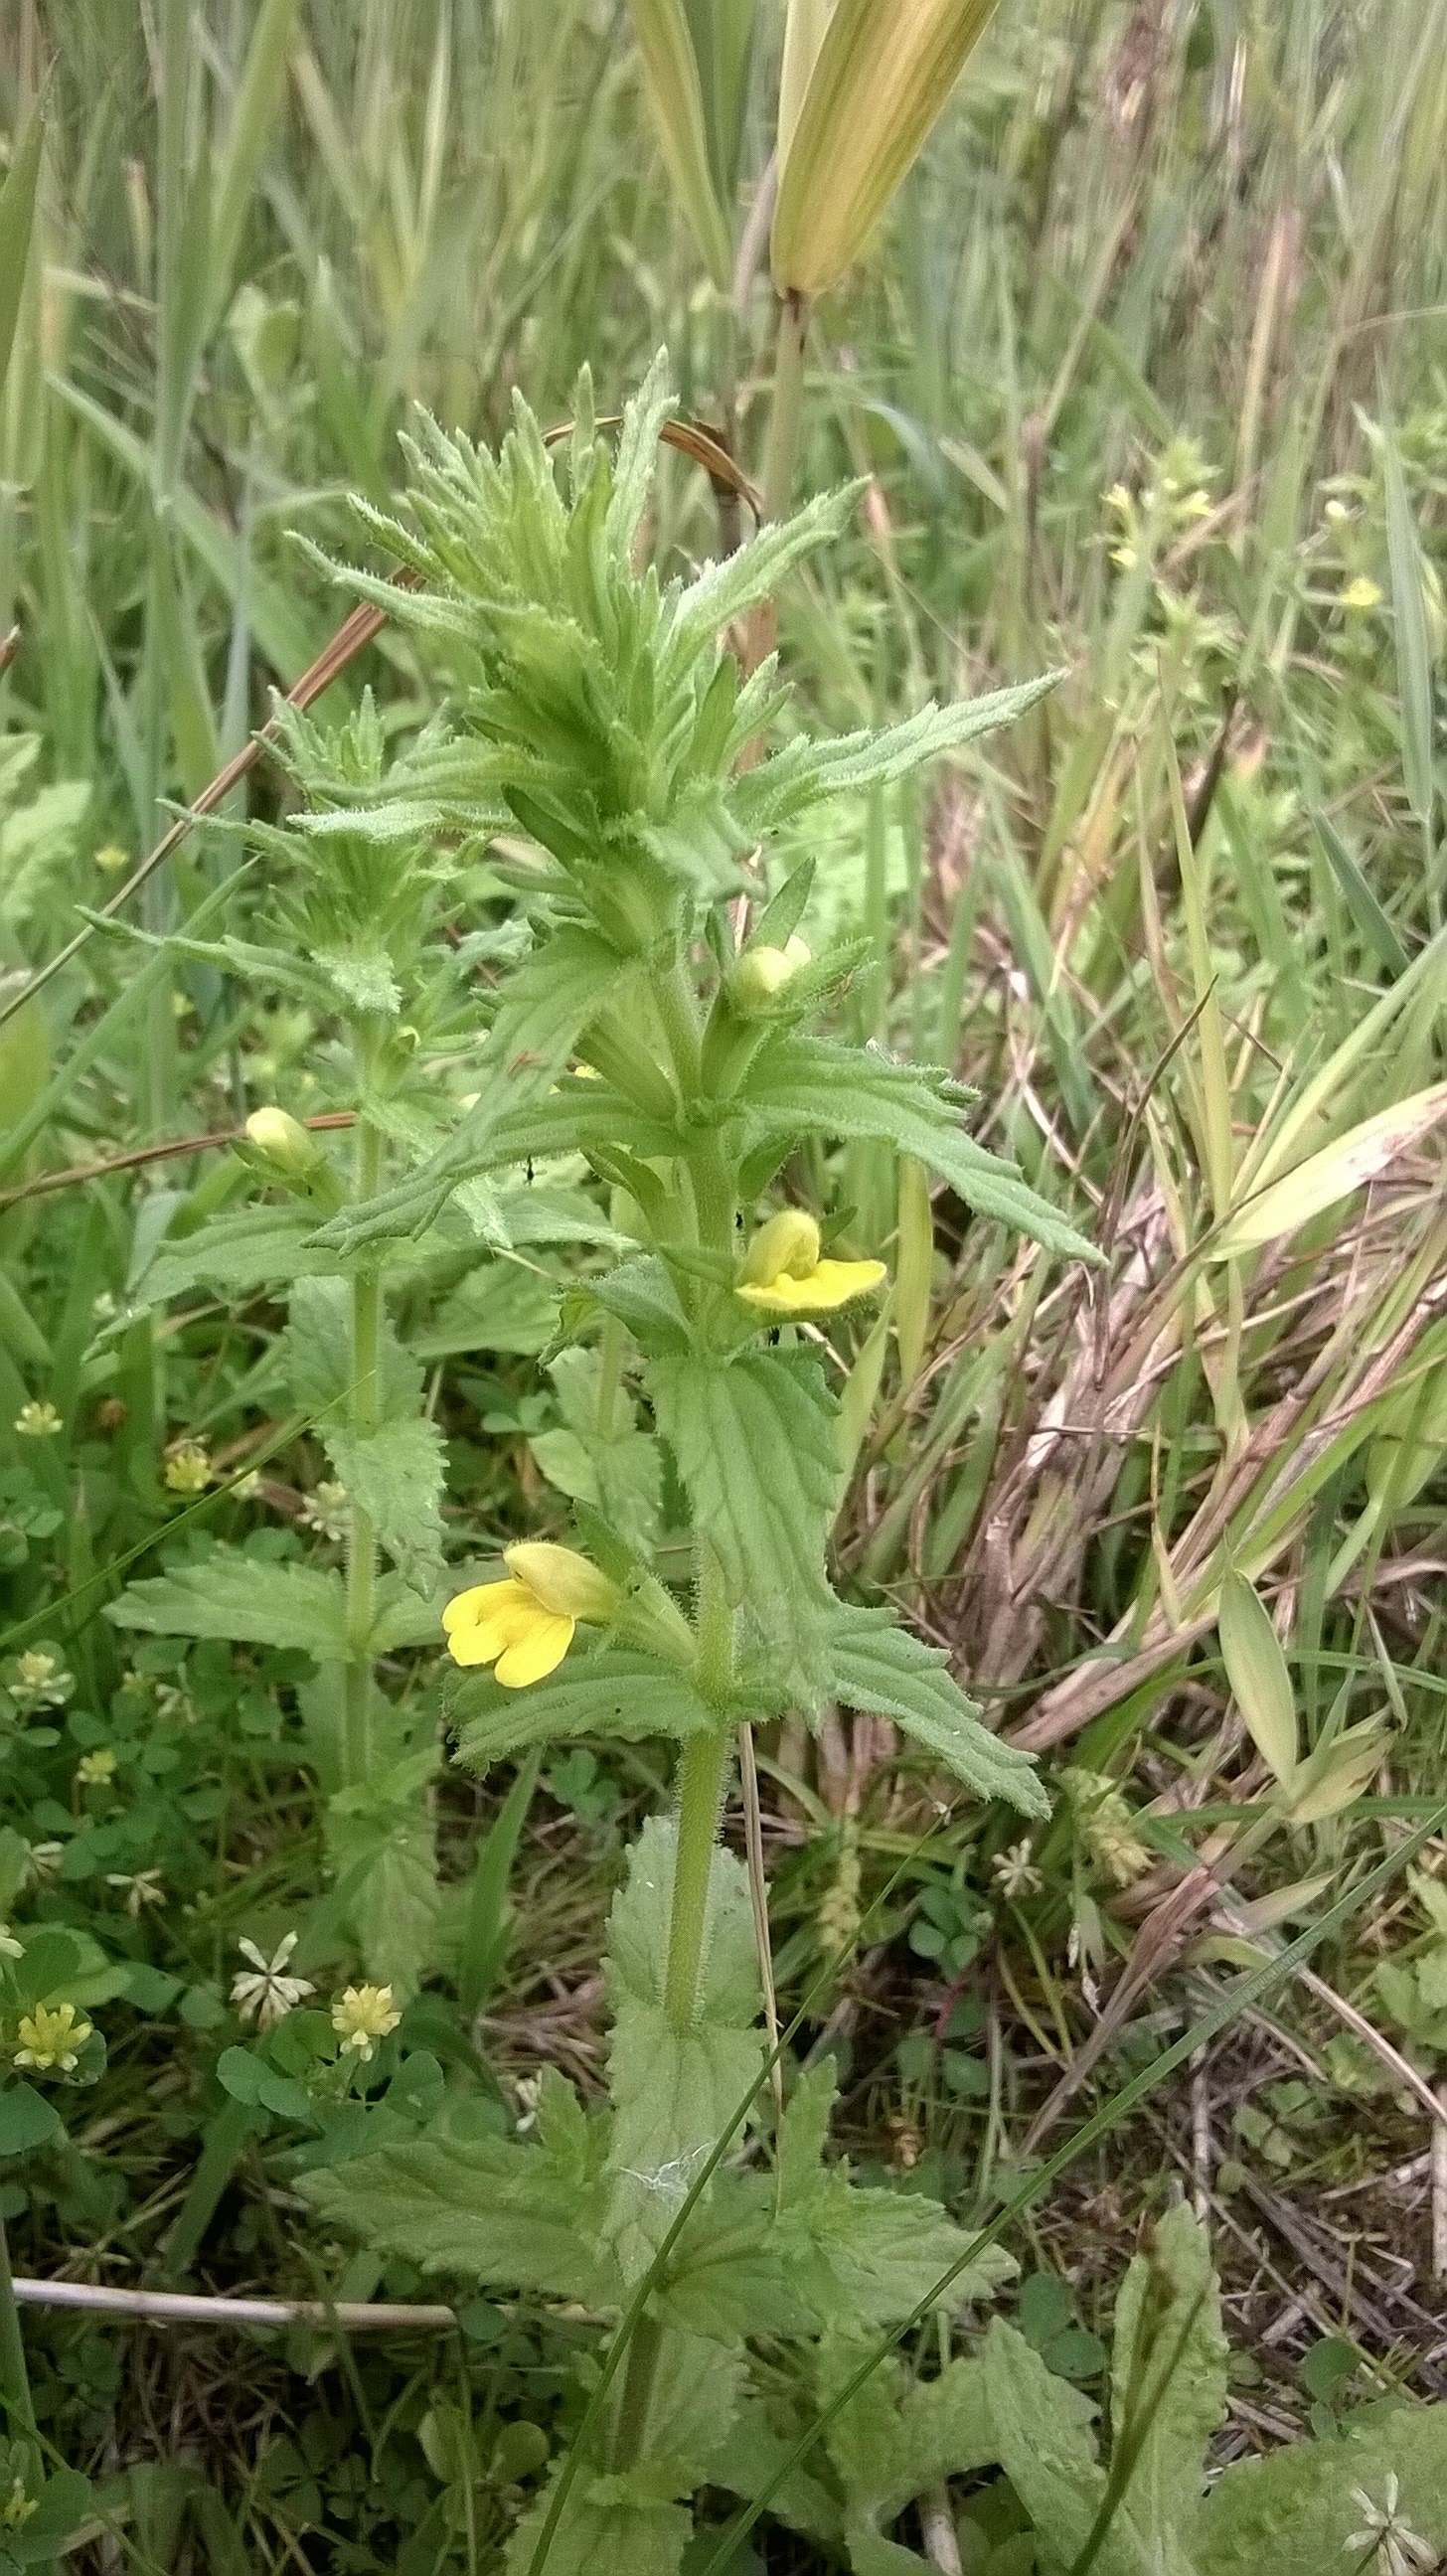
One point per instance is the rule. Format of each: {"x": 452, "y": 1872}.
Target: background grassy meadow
{"x": 1148, "y": 371}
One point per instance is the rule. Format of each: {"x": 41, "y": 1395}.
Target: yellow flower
{"x": 96, "y": 1770}
{"x": 52, "y": 2035}
{"x": 785, "y": 1275}
{"x": 112, "y": 858}
{"x": 1361, "y": 595}
{"x": 524, "y": 1625}
{"x": 37, "y": 1421}
{"x": 18, "y": 2507}
{"x": 188, "y": 1467}
{"x": 362, "y": 2016}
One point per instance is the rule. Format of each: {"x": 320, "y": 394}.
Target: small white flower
{"x": 529, "y": 2088}
{"x": 267, "y": 1996}
{"x": 1015, "y": 1873}
{"x": 1398, "y": 2551}
{"x": 10, "y": 1948}
{"x": 327, "y": 1511}
{"x": 143, "y": 1888}
{"x": 44, "y": 1860}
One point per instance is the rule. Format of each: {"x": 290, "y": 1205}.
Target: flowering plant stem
{"x": 361, "y": 1538}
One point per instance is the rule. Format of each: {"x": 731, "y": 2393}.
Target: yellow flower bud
{"x": 567, "y": 1584}
{"x": 284, "y": 1141}
{"x": 788, "y": 1243}
{"x": 763, "y": 973}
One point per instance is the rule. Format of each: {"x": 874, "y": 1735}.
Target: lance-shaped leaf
{"x": 814, "y": 1085}
{"x": 875, "y": 1664}
{"x": 883, "y": 71}
{"x": 1257, "y": 1672}
{"x": 229, "y": 1594}
{"x": 754, "y": 1442}
{"x": 1331, "y": 1175}
{"x": 615, "y": 1693}
{"x": 670, "y": 73}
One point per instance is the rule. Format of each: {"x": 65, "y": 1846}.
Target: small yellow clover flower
{"x": 52, "y": 2035}
{"x": 362, "y": 2016}
{"x": 784, "y": 1273}
{"x": 524, "y": 1625}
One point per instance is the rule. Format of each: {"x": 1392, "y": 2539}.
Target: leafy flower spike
{"x": 785, "y": 1275}
{"x": 524, "y": 1625}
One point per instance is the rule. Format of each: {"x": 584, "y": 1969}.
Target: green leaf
{"x": 1258, "y": 1674}
{"x": 805, "y": 774}
{"x": 549, "y": 1001}
{"x": 1168, "y": 2375}
{"x": 671, "y": 75}
{"x": 27, "y": 2120}
{"x": 642, "y": 1295}
{"x": 673, "y": 2096}
{"x": 1295, "y": 2512}
{"x": 875, "y": 1664}
{"x": 805, "y": 1085}
{"x": 246, "y": 1249}
{"x": 317, "y": 1354}
{"x": 1043, "y": 2442}
{"x": 613, "y": 1693}
{"x": 724, "y": 591}
{"x": 381, "y": 1846}
{"x": 1409, "y": 622}
{"x": 17, "y": 214}
{"x": 503, "y": 2213}
{"x": 230, "y": 1594}
{"x": 601, "y": 2527}
{"x": 753, "y": 1438}
{"x": 397, "y": 1475}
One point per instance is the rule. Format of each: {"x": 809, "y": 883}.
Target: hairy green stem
{"x": 363, "y": 1413}
{"x": 700, "y": 1798}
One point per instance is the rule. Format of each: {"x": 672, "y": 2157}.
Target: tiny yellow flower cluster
{"x": 53, "y": 2035}
{"x": 96, "y": 1770}
{"x": 361, "y": 2016}
{"x": 188, "y": 1467}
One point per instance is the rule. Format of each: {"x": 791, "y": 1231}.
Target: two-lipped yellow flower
{"x": 524, "y": 1625}
{"x": 785, "y": 1274}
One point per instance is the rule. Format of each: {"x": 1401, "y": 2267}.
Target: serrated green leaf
{"x": 234, "y": 1254}
{"x": 753, "y": 1439}
{"x": 500, "y": 2213}
{"x": 1044, "y": 2442}
{"x": 598, "y": 2528}
{"x": 723, "y": 591}
{"x": 807, "y": 1085}
{"x": 548, "y": 1003}
{"x": 1295, "y": 2512}
{"x": 806, "y": 773}
{"x": 612, "y": 1693}
{"x": 877, "y": 1665}
{"x": 673, "y": 2095}
{"x": 230, "y": 1594}
{"x": 1168, "y": 2384}
{"x": 397, "y": 1474}
{"x": 317, "y": 1352}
